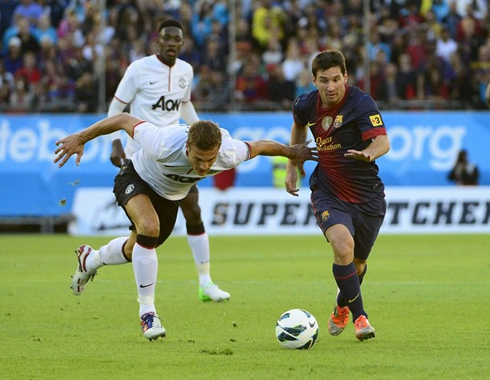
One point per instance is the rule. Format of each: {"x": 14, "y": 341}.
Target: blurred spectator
{"x": 243, "y": 36}
{"x": 86, "y": 93}
{"x": 6, "y": 85}
{"x": 478, "y": 8}
{"x": 469, "y": 36}
{"x": 268, "y": 19}
{"x": 435, "y": 88}
{"x": 29, "y": 69}
{"x": 251, "y": 87}
{"x": 69, "y": 28}
{"x": 210, "y": 89}
{"x": 332, "y": 39}
{"x": 405, "y": 78}
{"x": 281, "y": 91}
{"x": 293, "y": 64}
{"x": 26, "y": 35}
{"x": 270, "y": 34}
{"x": 213, "y": 56}
{"x": 201, "y": 21}
{"x": 22, "y": 99}
{"x": 433, "y": 26}
{"x": 77, "y": 64}
{"x": 7, "y": 8}
{"x": 92, "y": 48}
{"x": 445, "y": 45}
{"x": 464, "y": 172}
{"x": 387, "y": 89}
{"x": 243, "y": 50}
{"x": 29, "y": 9}
{"x": 55, "y": 9}
{"x": 13, "y": 58}
{"x": 273, "y": 54}
{"x": 417, "y": 50}
{"x": 44, "y": 29}
{"x": 49, "y": 80}
{"x": 376, "y": 45}
{"x": 452, "y": 19}
{"x": 62, "y": 95}
{"x": 313, "y": 18}
{"x": 304, "y": 83}
{"x": 398, "y": 47}
{"x": 460, "y": 80}
{"x": 190, "y": 53}
{"x": 440, "y": 8}
{"x": 11, "y": 31}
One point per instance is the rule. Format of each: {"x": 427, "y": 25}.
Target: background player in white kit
{"x": 158, "y": 89}
{"x": 150, "y": 187}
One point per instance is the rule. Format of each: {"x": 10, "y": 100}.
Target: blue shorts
{"x": 362, "y": 220}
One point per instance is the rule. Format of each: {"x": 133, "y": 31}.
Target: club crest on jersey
{"x": 129, "y": 189}
{"x": 182, "y": 83}
{"x": 325, "y": 215}
{"x": 338, "y": 121}
{"x": 326, "y": 122}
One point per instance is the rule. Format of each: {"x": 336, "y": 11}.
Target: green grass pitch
{"x": 427, "y": 296}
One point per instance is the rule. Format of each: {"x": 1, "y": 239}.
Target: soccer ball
{"x": 297, "y": 329}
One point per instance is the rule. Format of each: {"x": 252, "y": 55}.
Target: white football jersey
{"x": 163, "y": 162}
{"x": 156, "y": 92}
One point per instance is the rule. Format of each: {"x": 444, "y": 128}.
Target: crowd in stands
{"x": 69, "y": 55}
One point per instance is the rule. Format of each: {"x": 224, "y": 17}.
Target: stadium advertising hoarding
{"x": 424, "y": 147}
{"x": 268, "y": 211}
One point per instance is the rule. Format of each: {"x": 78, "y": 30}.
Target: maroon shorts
{"x": 362, "y": 220}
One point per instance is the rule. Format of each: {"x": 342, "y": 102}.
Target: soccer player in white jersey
{"x": 158, "y": 89}
{"x": 150, "y": 187}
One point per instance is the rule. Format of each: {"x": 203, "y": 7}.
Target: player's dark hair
{"x": 204, "y": 134}
{"x": 328, "y": 59}
{"x": 170, "y": 22}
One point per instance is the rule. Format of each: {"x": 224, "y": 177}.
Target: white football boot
{"x": 151, "y": 326}
{"x": 81, "y": 276}
{"x": 212, "y": 292}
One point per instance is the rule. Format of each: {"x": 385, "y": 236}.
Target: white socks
{"x": 145, "y": 267}
{"x": 110, "y": 254}
{"x": 200, "y": 250}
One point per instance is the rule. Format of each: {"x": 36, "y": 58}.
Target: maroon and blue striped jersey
{"x": 352, "y": 124}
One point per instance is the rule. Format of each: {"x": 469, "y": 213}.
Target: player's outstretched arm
{"x": 379, "y": 147}
{"x": 118, "y": 156}
{"x": 298, "y": 153}
{"x": 298, "y": 135}
{"x": 74, "y": 143}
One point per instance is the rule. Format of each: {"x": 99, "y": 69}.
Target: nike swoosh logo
{"x": 310, "y": 124}
{"x": 145, "y": 286}
{"x": 153, "y": 82}
{"x": 352, "y": 300}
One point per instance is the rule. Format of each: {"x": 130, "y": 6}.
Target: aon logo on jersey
{"x": 181, "y": 179}
{"x": 167, "y": 105}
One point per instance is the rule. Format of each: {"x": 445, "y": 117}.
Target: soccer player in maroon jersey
{"x": 347, "y": 194}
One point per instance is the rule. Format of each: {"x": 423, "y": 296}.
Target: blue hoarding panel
{"x": 424, "y": 148}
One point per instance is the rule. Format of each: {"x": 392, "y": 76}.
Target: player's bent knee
{"x": 148, "y": 228}
{"x": 146, "y": 241}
